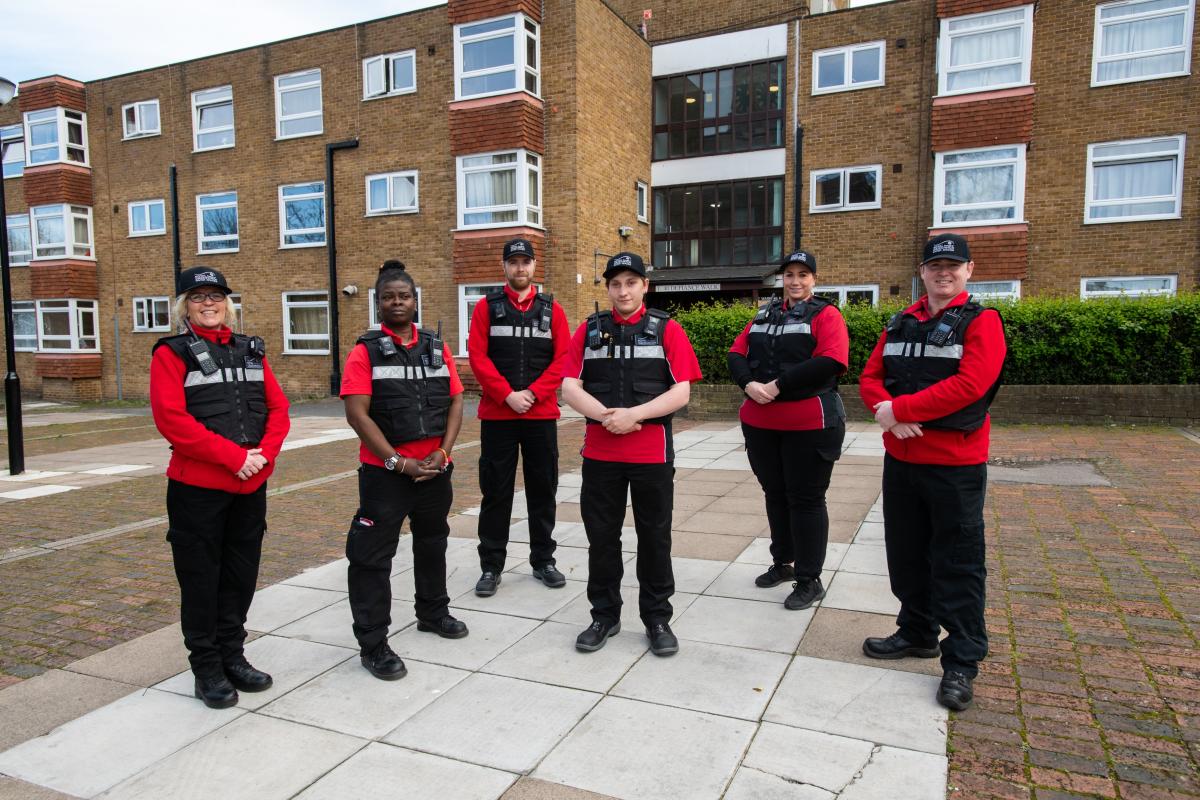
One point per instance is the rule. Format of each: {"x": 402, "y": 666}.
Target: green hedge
{"x": 1153, "y": 340}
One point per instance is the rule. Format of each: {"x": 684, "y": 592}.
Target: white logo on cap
{"x": 799, "y": 257}
{"x": 517, "y": 247}
{"x": 622, "y": 261}
{"x": 207, "y": 277}
{"x": 944, "y": 247}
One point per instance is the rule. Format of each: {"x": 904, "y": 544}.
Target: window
{"x": 302, "y": 215}
{"x": 1134, "y": 180}
{"x": 12, "y": 145}
{"x": 984, "y": 291}
{"x": 499, "y": 189}
{"x": 845, "y": 189}
{"x": 1141, "y": 40}
{"x": 1127, "y": 287}
{"x": 468, "y": 296}
{"x": 643, "y": 202}
{"x": 54, "y": 135}
{"x": 373, "y": 311}
{"x": 981, "y": 52}
{"x": 67, "y": 325}
{"x": 151, "y": 313}
{"x": 236, "y": 300}
{"x": 496, "y": 56}
{"x": 141, "y": 119}
{"x": 392, "y": 193}
{"x": 24, "y": 325}
{"x": 217, "y": 227}
{"x": 727, "y": 110}
{"x": 843, "y": 296}
{"x": 306, "y": 323}
{"x": 298, "y": 104}
{"x": 395, "y": 73}
{"x": 701, "y": 225}
{"x": 62, "y": 231}
{"x": 212, "y": 118}
{"x": 20, "y": 246}
{"x": 840, "y": 69}
{"x": 147, "y": 218}
{"x": 985, "y": 186}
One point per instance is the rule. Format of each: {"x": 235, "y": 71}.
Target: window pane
{"x": 486, "y": 27}
{"x": 1137, "y": 67}
{"x": 300, "y": 101}
{"x": 831, "y": 70}
{"x": 724, "y": 92}
{"x": 149, "y": 112}
{"x": 216, "y": 116}
{"x": 497, "y": 52}
{"x": 156, "y": 217}
{"x": 1150, "y": 179}
{"x": 1132, "y": 210}
{"x": 402, "y": 73}
{"x": 741, "y": 90}
{"x": 662, "y": 99}
{"x": 498, "y": 82}
{"x": 979, "y": 185}
{"x": 760, "y": 100}
{"x": 829, "y": 189}
{"x": 374, "y": 77}
{"x": 866, "y": 65}
{"x": 404, "y": 191}
{"x": 862, "y": 187}
{"x": 1141, "y": 35}
{"x": 693, "y": 97}
{"x": 709, "y": 82}
{"x": 138, "y": 215}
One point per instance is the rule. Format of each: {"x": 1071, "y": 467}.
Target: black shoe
{"x": 447, "y": 627}
{"x": 955, "y": 691}
{"x": 216, "y": 691}
{"x": 777, "y": 574}
{"x": 662, "y": 641}
{"x": 246, "y": 678}
{"x": 804, "y": 594}
{"x": 596, "y": 635}
{"x": 550, "y": 576}
{"x": 383, "y": 663}
{"x": 487, "y": 583}
{"x": 896, "y": 646}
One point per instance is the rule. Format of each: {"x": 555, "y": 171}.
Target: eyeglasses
{"x": 198, "y": 298}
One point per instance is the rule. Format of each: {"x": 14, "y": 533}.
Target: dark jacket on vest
{"x": 781, "y": 338}
{"x": 232, "y": 400}
{"x": 519, "y": 342}
{"x": 410, "y": 388}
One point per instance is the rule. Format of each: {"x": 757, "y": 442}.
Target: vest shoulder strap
{"x": 371, "y": 336}
{"x": 177, "y": 343}
{"x": 253, "y": 344}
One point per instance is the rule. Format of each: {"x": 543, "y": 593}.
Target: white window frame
{"x": 220, "y": 95}
{"x": 1188, "y": 10}
{"x": 201, "y": 238}
{"x": 285, "y": 232}
{"x": 522, "y": 30}
{"x": 140, "y": 129}
{"x": 1087, "y": 294}
{"x": 1173, "y": 148}
{"x": 847, "y": 53}
{"x": 465, "y": 310}
{"x": 841, "y": 289}
{"x": 939, "y": 187}
{"x": 146, "y": 205}
{"x": 25, "y": 307}
{"x": 945, "y": 41}
{"x": 63, "y": 120}
{"x": 643, "y": 202}
{"x": 373, "y": 310}
{"x": 235, "y": 298}
{"x": 525, "y": 210}
{"x": 1013, "y": 292}
{"x": 146, "y": 309}
{"x": 392, "y": 208}
{"x": 844, "y": 204}
{"x": 280, "y": 118}
{"x": 386, "y": 62}
{"x": 77, "y": 309}
{"x": 70, "y": 246}
{"x": 289, "y": 338}
{"x": 12, "y": 143}
{"x": 18, "y": 258}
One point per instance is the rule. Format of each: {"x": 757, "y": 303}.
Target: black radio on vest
{"x": 437, "y": 357}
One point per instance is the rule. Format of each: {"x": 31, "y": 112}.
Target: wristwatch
{"x": 390, "y": 464}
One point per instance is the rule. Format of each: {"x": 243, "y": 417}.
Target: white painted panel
{"x": 739, "y": 47}
{"x": 755, "y": 164}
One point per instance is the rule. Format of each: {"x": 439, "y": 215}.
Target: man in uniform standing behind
{"x": 517, "y": 341}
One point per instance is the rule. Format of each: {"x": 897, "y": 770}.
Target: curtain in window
{"x": 309, "y": 321}
{"x": 980, "y": 48}
{"x": 1140, "y": 36}
{"x": 492, "y": 188}
{"x": 979, "y": 185}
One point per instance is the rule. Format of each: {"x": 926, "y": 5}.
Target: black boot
{"x": 216, "y": 691}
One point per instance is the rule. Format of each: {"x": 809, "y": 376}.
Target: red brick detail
{"x": 51, "y": 280}
{"x": 53, "y": 92}
{"x": 998, "y": 120}
{"x": 68, "y": 365}
{"x": 957, "y": 8}
{"x": 58, "y": 183}
{"x": 999, "y": 256}
{"x": 517, "y": 123}
{"x": 465, "y": 374}
{"x": 470, "y": 10}
{"x": 477, "y": 258}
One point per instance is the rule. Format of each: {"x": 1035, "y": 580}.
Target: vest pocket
{"x": 643, "y": 392}
{"x": 211, "y": 409}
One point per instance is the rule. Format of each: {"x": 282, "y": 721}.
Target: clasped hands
{"x": 254, "y": 463}
{"x": 762, "y": 393}
{"x": 521, "y": 401}
{"x": 886, "y": 418}
{"x": 620, "y": 420}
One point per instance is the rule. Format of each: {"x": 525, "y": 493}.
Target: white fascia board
{"x": 706, "y": 52}
{"x": 708, "y": 169}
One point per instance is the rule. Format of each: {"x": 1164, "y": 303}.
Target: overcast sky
{"x": 90, "y": 40}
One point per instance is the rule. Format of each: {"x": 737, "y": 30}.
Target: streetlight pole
{"x": 12, "y": 381}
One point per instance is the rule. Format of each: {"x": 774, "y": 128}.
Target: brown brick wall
{"x": 957, "y": 8}
{"x": 63, "y": 278}
{"x": 461, "y": 11}
{"x": 982, "y": 123}
{"x": 72, "y": 366}
{"x": 498, "y": 126}
{"x": 999, "y": 256}
{"x": 55, "y": 91}
{"x": 58, "y": 183}
{"x": 677, "y": 19}
{"x": 477, "y": 258}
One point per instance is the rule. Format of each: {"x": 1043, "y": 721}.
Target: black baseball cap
{"x": 947, "y": 245}
{"x": 200, "y": 278}
{"x": 624, "y": 262}
{"x": 518, "y": 247}
{"x": 802, "y": 257}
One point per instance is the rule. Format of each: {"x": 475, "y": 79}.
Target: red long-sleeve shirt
{"x": 983, "y": 357}
{"x": 495, "y": 388}
{"x": 200, "y": 457}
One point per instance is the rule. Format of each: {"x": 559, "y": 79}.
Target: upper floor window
{"x": 1135, "y": 180}
{"x": 24, "y": 325}
{"x": 302, "y": 215}
{"x": 20, "y": 246}
{"x": 151, "y": 313}
{"x": 141, "y": 119}
{"x": 496, "y": 56}
{"x": 1140, "y": 40}
{"x": 739, "y": 222}
{"x": 725, "y": 110}
{"x": 298, "y": 104}
{"x": 981, "y": 52}
{"x": 217, "y": 226}
{"x": 840, "y": 69}
{"x": 394, "y": 73}
{"x": 212, "y": 118}
{"x": 643, "y": 202}
{"x": 62, "y": 231}
{"x": 1141, "y": 285}
{"x": 12, "y": 145}
{"x": 984, "y": 186}
{"x": 68, "y": 325}
{"x": 392, "y": 193}
{"x": 845, "y": 189}
{"x": 147, "y": 218}
{"x": 54, "y": 135}
{"x": 499, "y": 189}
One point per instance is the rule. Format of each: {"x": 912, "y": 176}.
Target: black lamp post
{"x": 12, "y": 381}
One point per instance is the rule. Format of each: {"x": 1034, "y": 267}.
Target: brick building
{"x": 712, "y": 137}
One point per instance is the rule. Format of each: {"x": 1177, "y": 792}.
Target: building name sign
{"x": 688, "y": 287}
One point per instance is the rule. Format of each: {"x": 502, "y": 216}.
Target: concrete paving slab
{"x": 698, "y": 462}
{"x": 838, "y": 635}
{"x": 712, "y": 546}
{"x": 737, "y": 580}
{"x": 496, "y": 721}
{"x": 713, "y": 522}
{"x": 570, "y": 479}
{"x": 711, "y": 488}
{"x": 858, "y": 592}
{"x": 548, "y": 655}
{"x": 828, "y": 762}
{"x": 842, "y": 510}
{"x": 331, "y": 577}
{"x": 731, "y": 681}
{"x": 254, "y": 757}
{"x": 842, "y": 530}
{"x": 116, "y": 742}
{"x": 684, "y": 503}
{"x": 573, "y": 562}
{"x": 869, "y": 533}
{"x": 37, "y": 706}
{"x": 332, "y": 624}
{"x": 579, "y": 611}
{"x": 143, "y": 661}
{"x": 692, "y": 575}
{"x": 381, "y": 770}
{"x": 870, "y": 559}
{"x": 696, "y": 760}
{"x": 750, "y": 784}
{"x": 879, "y": 705}
{"x": 743, "y": 623}
{"x": 534, "y": 789}
{"x": 521, "y": 598}
{"x": 759, "y": 552}
{"x": 490, "y": 635}
{"x": 350, "y": 700}
{"x": 13, "y": 789}
{"x": 923, "y": 776}
{"x": 732, "y": 461}
{"x": 276, "y": 606}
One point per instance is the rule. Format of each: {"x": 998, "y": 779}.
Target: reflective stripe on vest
{"x": 408, "y": 373}
{"x": 227, "y": 375}
{"x": 917, "y": 350}
{"x": 519, "y": 331}
{"x": 639, "y": 351}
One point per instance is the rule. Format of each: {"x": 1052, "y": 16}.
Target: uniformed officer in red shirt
{"x": 518, "y": 339}
{"x": 929, "y": 381}
{"x": 628, "y": 371}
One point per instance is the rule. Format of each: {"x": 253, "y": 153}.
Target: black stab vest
{"x": 410, "y": 397}
{"x": 519, "y": 342}
{"x": 231, "y": 402}
{"x": 782, "y": 338}
{"x": 630, "y": 366}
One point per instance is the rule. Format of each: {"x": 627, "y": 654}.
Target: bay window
{"x": 983, "y": 186}
{"x": 499, "y": 189}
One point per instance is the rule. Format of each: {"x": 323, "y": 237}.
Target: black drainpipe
{"x": 174, "y": 180}
{"x": 335, "y": 356}
{"x": 798, "y": 187}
